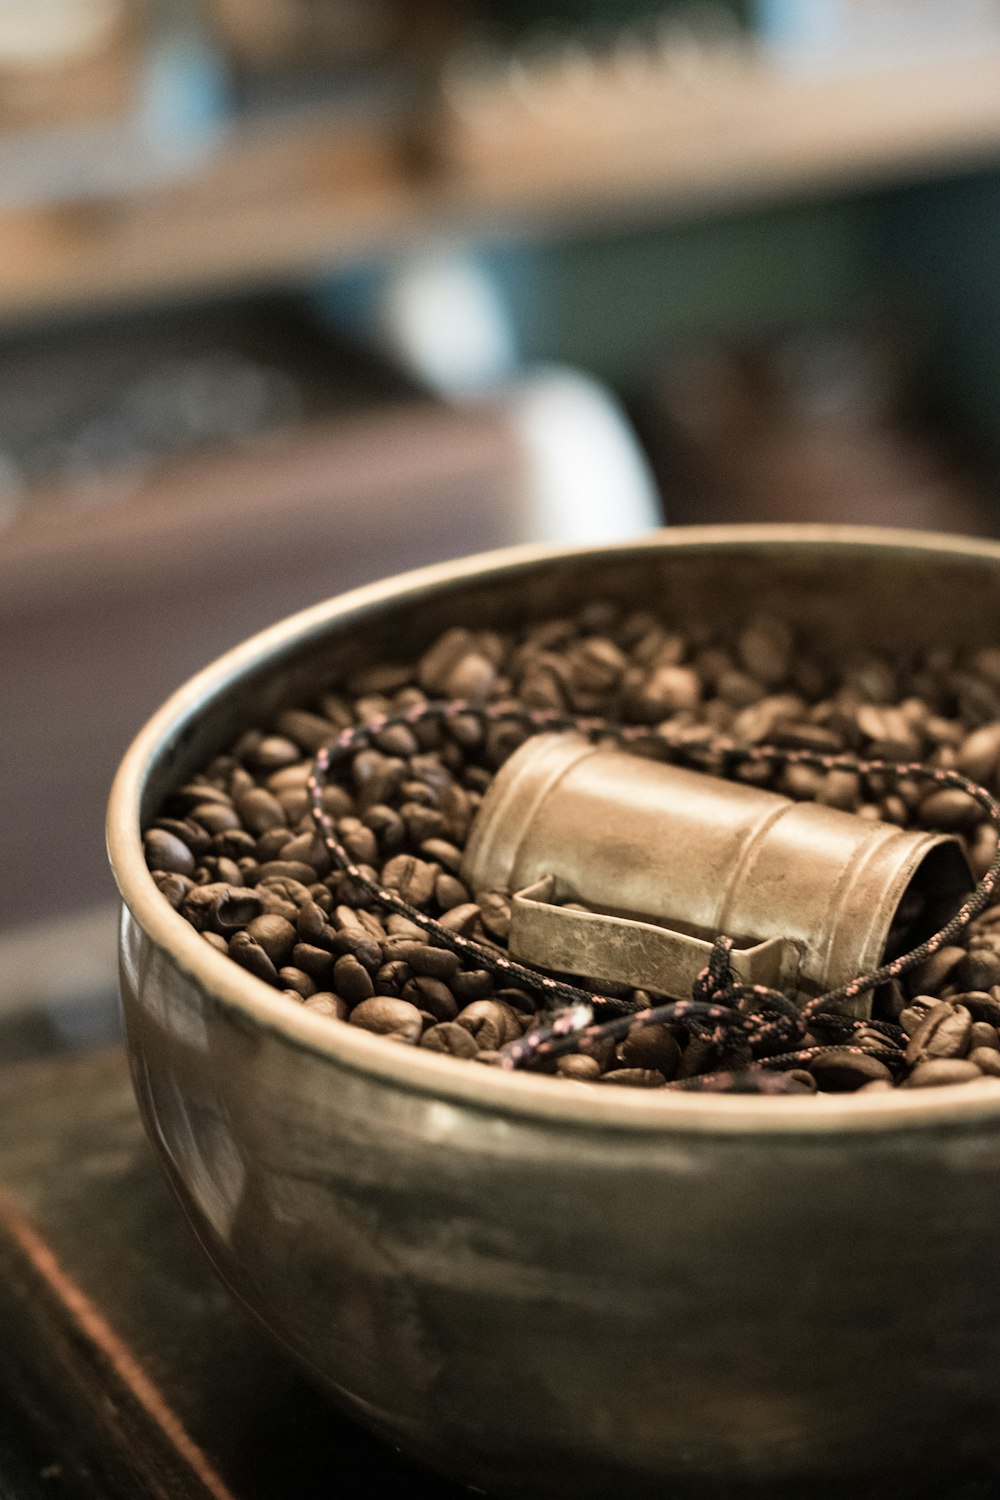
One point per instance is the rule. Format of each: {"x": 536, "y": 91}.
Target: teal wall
{"x": 612, "y": 302}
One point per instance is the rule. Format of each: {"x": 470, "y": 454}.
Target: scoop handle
{"x": 642, "y": 954}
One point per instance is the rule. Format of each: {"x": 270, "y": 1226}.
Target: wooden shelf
{"x": 279, "y": 204}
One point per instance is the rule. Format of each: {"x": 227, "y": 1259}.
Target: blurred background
{"x": 298, "y": 293}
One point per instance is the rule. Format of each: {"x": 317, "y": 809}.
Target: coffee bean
{"x": 939, "y": 1071}
{"x": 412, "y": 878}
{"x": 309, "y": 732}
{"x": 492, "y": 1023}
{"x": 471, "y": 984}
{"x": 316, "y": 962}
{"x": 387, "y": 826}
{"x": 840, "y": 1071}
{"x": 494, "y": 911}
{"x": 987, "y": 1060}
{"x": 396, "y": 1019}
{"x": 217, "y": 941}
{"x": 984, "y": 1035}
{"x": 978, "y": 970}
{"x": 944, "y": 1032}
{"x": 652, "y": 1047}
{"x": 165, "y": 851}
{"x": 359, "y": 943}
{"x": 216, "y": 817}
{"x": 326, "y": 1004}
{"x": 352, "y": 979}
{"x": 275, "y": 935}
{"x": 431, "y": 995}
{"x": 929, "y": 977}
{"x": 287, "y": 869}
{"x": 461, "y": 919}
{"x": 577, "y": 1065}
{"x": 293, "y": 978}
{"x": 260, "y": 811}
{"x": 634, "y": 1078}
{"x": 393, "y": 977}
{"x": 448, "y": 1037}
{"x": 273, "y": 752}
{"x": 172, "y": 887}
{"x": 436, "y": 963}
{"x": 981, "y": 1006}
{"x": 950, "y": 810}
{"x": 250, "y": 955}
{"x": 979, "y": 753}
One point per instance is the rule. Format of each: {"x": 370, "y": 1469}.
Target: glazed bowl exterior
{"x": 548, "y": 1289}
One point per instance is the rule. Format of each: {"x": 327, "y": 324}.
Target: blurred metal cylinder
{"x": 663, "y": 859}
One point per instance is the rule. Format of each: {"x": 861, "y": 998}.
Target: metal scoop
{"x": 624, "y": 868}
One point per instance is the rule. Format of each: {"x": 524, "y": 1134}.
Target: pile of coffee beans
{"x": 237, "y": 853}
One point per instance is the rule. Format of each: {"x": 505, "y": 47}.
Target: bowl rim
{"x": 416, "y": 1070}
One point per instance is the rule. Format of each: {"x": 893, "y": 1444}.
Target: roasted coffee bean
{"x": 577, "y": 1065}
{"x": 274, "y": 752}
{"x": 436, "y": 963}
{"x": 650, "y": 1047}
{"x": 950, "y": 810}
{"x": 393, "y": 977}
{"x": 412, "y": 878}
{"x": 216, "y": 817}
{"x": 981, "y": 1006}
{"x": 387, "y": 826}
{"x": 189, "y": 832}
{"x": 220, "y": 907}
{"x": 250, "y": 955}
{"x": 492, "y": 1023}
{"x": 165, "y": 851}
{"x": 260, "y": 811}
{"x": 275, "y": 935}
{"x": 287, "y": 869}
{"x": 939, "y": 1071}
{"x": 270, "y": 845}
{"x": 431, "y": 995}
{"x": 396, "y": 1019}
{"x": 316, "y": 962}
{"x": 979, "y": 753}
{"x": 293, "y": 978}
{"x": 634, "y": 1078}
{"x": 456, "y": 667}
{"x": 448, "y": 1037}
{"x": 172, "y": 887}
{"x": 308, "y": 849}
{"x": 449, "y": 891}
{"x": 327, "y": 1004}
{"x": 352, "y": 979}
{"x": 987, "y": 1060}
{"x": 983, "y": 1035}
{"x": 841, "y": 1071}
{"x": 461, "y": 919}
{"x": 359, "y": 943}
{"x": 494, "y": 913}
{"x": 979, "y": 969}
{"x": 217, "y": 941}
{"x": 471, "y": 984}
{"x": 422, "y": 822}
{"x": 308, "y": 731}
{"x": 945, "y": 1032}
{"x": 930, "y": 976}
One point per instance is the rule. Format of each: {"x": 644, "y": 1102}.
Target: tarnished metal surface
{"x": 551, "y": 1289}
{"x": 697, "y": 856}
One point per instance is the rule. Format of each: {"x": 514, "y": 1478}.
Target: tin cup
{"x": 656, "y": 861}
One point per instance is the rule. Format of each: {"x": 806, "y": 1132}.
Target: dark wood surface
{"x": 126, "y": 1370}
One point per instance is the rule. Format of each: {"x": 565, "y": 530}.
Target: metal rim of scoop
{"x": 413, "y": 1069}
